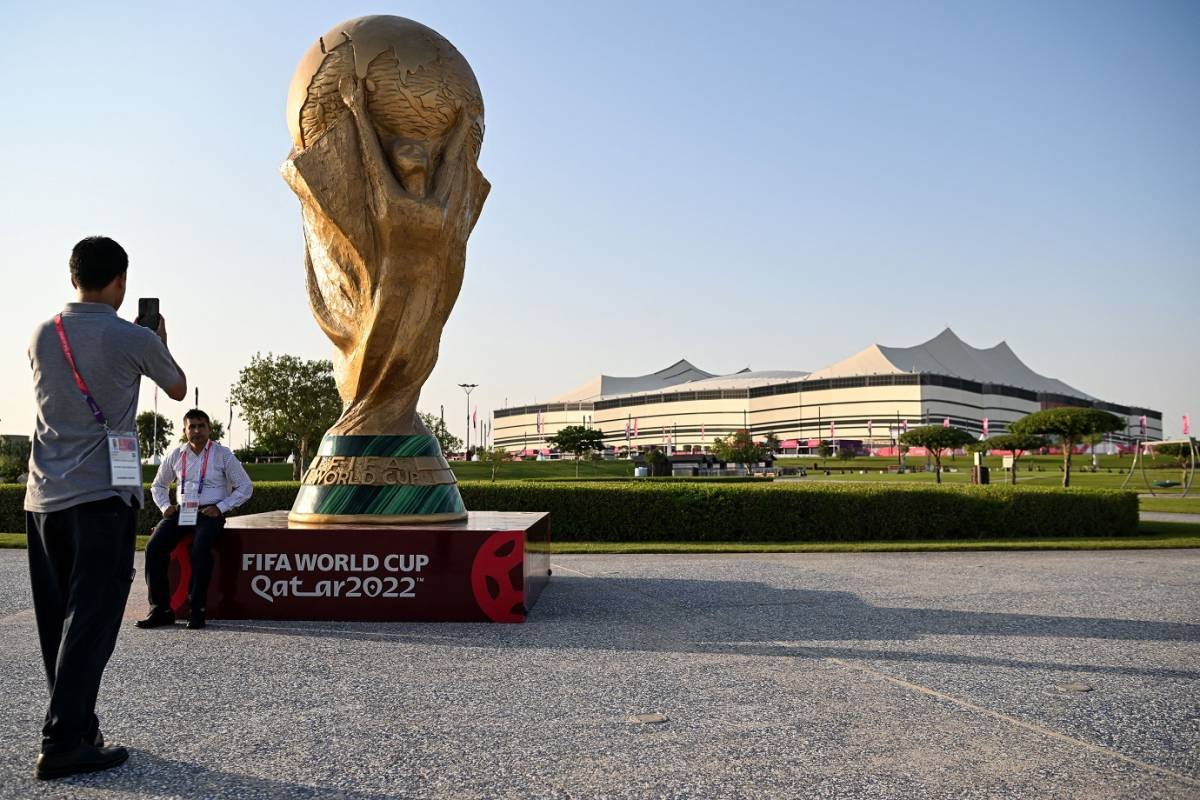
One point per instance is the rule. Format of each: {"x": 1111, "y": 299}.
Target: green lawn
{"x": 1171, "y": 505}
{"x": 1153, "y": 535}
{"x": 1097, "y": 480}
{"x": 1125, "y": 543}
{"x": 1049, "y": 476}
{"x": 523, "y": 470}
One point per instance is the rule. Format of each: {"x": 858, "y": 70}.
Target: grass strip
{"x": 1153, "y": 535}
{"x": 1177, "y": 505}
{"x": 1122, "y": 543}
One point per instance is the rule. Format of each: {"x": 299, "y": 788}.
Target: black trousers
{"x": 166, "y": 536}
{"x": 80, "y": 568}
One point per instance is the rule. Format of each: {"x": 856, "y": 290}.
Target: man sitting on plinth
{"x": 212, "y": 482}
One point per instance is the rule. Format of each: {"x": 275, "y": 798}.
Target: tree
{"x": 772, "y": 443}
{"x": 1070, "y": 426}
{"x": 153, "y": 442}
{"x": 824, "y": 449}
{"x": 1180, "y": 453}
{"x": 935, "y": 439}
{"x": 287, "y": 403}
{"x": 739, "y": 449}
{"x": 14, "y": 457}
{"x": 657, "y": 462}
{"x": 437, "y": 428}
{"x": 495, "y": 456}
{"x": 577, "y": 439}
{"x": 1016, "y": 443}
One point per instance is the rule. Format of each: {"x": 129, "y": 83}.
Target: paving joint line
{"x": 999, "y": 715}
{"x": 930, "y": 692}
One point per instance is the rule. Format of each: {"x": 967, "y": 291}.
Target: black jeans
{"x": 166, "y": 536}
{"x": 80, "y": 569}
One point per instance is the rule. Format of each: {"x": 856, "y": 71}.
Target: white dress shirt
{"x": 226, "y": 484}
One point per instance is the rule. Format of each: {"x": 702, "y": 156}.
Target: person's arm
{"x": 160, "y": 366}
{"x": 235, "y": 474}
{"x": 160, "y": 490}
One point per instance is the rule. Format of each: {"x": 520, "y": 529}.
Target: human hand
{"x": 211, "y": 511}
{"x": 162, "y": 329}
{"x": 170, "y": 511}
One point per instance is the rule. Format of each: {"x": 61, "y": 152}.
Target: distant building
{"x": 870, "y": 397}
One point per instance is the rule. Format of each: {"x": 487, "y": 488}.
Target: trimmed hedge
{"x": 268, "y": 496}
{"x": 665, "y": 511}
{"x": 808, "y": 513}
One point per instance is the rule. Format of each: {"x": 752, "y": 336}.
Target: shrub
{"x": 665, "y": 510}
{"x": 654, "y": 511}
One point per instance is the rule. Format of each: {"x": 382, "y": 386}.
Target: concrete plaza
{"x": 964, "y": 675}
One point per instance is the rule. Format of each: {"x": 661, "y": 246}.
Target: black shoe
{"x": 196, "y": 623}
{"x": 98, "y": 740}
{"x": 84, "y": 758}
{"x": 157, "y": 619}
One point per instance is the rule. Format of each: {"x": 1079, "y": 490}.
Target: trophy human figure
{"x": 387, "y": 122}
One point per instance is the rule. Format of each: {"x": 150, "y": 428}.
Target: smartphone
{"x": 148, "y": 313}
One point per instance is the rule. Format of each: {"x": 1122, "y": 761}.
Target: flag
{"x": 904, "y": 426}
{"x": 985, "y": 427}
{"x": 869, "y": 426}
{"x": 627, "y": 426}
{"x": 474, "y": 417}
{"x": 946, "y": 422}
{"x": 1187, "y": 425}
{"x": 1142, "y": 424}
{"x": 832, "y": 429}
{"x": 635, "y": 427}
{"x": 702, "y": 431}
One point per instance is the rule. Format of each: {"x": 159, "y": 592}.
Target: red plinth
{"x": 489, "y": 567}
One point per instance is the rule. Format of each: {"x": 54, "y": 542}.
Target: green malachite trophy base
{"x": 378, "y": 480}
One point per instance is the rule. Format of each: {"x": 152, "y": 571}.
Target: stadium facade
{"x": 868, "y": 398}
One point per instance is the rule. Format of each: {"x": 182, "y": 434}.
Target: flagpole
{"x": 468, "y": 388}
{"x": 154, "y": 437}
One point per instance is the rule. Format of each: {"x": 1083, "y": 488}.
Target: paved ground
{"x": 1167, "y": 516}
{"x": 932, "y": 675}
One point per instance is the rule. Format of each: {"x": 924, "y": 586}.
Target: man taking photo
{"x": 84, "y": 492}
{"x": 212, "y": 482}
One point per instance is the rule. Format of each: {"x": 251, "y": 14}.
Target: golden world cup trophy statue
{"x": 387, "y": 122}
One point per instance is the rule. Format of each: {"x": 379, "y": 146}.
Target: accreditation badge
{"x": 123, "y": 459}
{"x": 189, "y": 509}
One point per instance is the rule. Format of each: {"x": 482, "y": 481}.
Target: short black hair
{"x": 96, "y": 261}
{"x": 196, "y": 413}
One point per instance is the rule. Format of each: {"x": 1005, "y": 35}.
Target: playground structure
{"x": 1139, "y": 458}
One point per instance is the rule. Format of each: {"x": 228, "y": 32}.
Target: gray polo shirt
{"x": 69, "y": 463}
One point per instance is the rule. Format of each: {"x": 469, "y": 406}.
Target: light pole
{"x": 468, "y": 388}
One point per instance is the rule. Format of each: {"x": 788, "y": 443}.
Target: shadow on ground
{"x": 680, "y": 615}
{"x": 144, "y": 774}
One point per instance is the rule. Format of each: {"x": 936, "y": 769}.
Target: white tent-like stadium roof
{"x": 946, "y": 354}
{"x": 602, "y": 386}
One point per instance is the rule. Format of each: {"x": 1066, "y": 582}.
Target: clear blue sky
{"x": 765, "y": 185}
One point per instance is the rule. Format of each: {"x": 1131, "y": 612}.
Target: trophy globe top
{"x": 418, "y": 86}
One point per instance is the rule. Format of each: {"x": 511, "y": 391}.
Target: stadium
{"x": 862, "y": 402}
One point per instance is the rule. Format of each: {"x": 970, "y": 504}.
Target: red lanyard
{"x": 83, "y": 387}
{"x": 203, "y": 466}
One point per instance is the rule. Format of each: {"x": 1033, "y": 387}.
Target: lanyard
{"x": 83, "y": 388}
{"x": 203, "y": 465}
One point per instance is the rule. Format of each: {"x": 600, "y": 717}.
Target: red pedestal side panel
{"x": 490, "y": 567}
